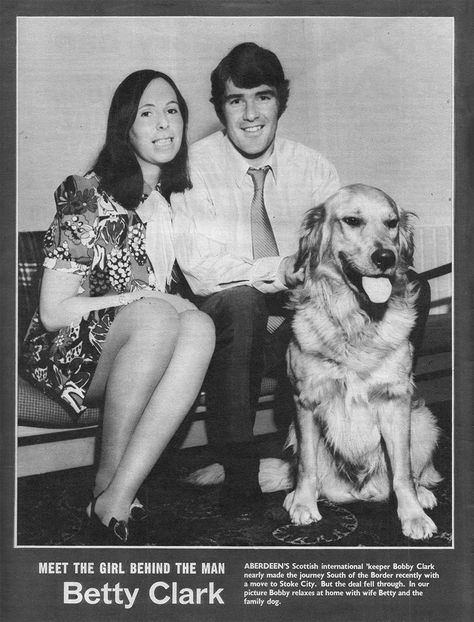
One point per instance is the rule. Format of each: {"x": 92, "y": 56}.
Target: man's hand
{"x": 287, "y": 274}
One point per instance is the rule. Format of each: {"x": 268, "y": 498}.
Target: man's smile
{"x": 253, "y": 129}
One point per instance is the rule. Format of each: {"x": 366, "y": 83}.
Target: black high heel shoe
{"x": 115, "y": 533}
{"x": 138, "y": 512}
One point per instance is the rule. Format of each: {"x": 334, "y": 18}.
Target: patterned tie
{"x": 263, "y": 239}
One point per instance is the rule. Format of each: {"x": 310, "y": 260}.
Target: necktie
{"x": 263, "y": 239}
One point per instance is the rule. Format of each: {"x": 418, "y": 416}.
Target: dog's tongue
{"x": 377, "y": 289}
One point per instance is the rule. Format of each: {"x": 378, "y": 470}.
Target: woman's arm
{"x": 60, "y": 305}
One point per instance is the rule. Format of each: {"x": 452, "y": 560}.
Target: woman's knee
{"x": 198, "y": 324}
{"x": 149, "y": 316}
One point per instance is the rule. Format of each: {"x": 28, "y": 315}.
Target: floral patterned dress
{"x": 95, "y": 237}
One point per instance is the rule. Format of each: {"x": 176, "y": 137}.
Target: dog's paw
{"x": 419, "y": 527}
{"x": 303, "y": 509}
{"x": 426, "y": 498}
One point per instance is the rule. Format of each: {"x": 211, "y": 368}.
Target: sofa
{"x": 48, "y": 440}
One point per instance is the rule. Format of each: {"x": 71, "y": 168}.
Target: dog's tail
{"x": 274, "y": 474}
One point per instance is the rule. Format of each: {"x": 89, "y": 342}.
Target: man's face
{"x": 251, "y": 120}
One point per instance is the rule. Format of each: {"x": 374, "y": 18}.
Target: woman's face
{"x": 157, "y": 131}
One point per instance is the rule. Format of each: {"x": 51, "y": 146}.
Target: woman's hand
{"x": 179, "y": 304}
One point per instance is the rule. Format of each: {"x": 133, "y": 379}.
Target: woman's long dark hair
{"x": 117, "y": 166}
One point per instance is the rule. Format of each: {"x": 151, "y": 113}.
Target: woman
{"x": 109, "y": 329}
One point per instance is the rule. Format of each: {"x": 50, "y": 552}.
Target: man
{"x": 236, "y": 233}
{"x": 236, "y": 266}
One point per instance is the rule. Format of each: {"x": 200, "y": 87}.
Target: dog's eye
{"x": 391, "y": 224}
{"x": 352, "y": 221}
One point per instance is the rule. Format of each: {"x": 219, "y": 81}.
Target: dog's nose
{"x": 383, "y": 258}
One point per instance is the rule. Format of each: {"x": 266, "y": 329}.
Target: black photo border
{"x": 24, "y": 595}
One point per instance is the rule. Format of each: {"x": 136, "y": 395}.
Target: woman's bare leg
{"x": 147, "y": 433}
{"x": 170, "y": 402}
{"x": 135, "y": 355}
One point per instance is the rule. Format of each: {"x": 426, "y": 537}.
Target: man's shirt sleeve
{"x": 203, "y": 257}
{"x": 326, "y": 180}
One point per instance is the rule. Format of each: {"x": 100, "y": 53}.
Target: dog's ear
{"x": 407, "y": 245}
{"x": 311, "y": 235}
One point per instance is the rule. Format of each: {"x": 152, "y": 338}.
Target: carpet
{"x": 51, "y": 508}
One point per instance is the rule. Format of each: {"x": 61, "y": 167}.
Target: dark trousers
{"x": 233, "y": 381}
{"x": 244, "y": 351}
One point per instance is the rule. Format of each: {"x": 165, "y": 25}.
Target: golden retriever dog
{"x": 358, "y": 433}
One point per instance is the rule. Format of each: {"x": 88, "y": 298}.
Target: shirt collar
{"x": 272, "y": 161}
{"x": 240, "y": 166}
{"x": 147, "y": 208}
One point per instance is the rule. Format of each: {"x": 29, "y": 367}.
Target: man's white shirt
{"x": 211, "y": 222}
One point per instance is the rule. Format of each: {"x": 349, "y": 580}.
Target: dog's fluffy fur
{"x": 358, "y": 434}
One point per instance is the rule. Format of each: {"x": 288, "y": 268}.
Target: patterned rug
{"x": 51, "y": 509}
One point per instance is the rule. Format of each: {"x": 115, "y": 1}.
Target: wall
{"x": 373, "y": 94}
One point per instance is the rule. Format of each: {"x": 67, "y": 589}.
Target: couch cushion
{"x": 37, "y": 409}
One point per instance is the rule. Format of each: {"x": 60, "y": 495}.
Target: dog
{"x": 358, "y": 433}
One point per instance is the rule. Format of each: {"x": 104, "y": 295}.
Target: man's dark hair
{"x": 248, "y": 65}
{"x": 117, "y": 166}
